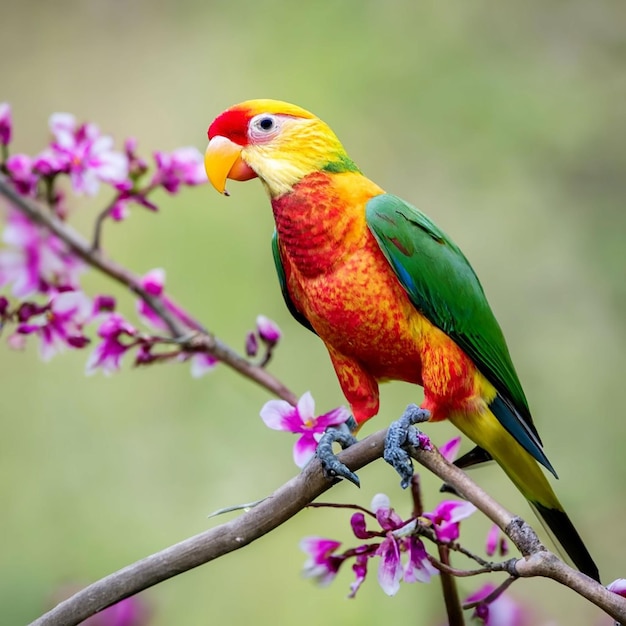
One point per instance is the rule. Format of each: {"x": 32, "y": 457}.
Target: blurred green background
{"x": 504, "y": 122}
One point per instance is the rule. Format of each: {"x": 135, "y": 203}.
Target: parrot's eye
{"x": 264, "y": 126}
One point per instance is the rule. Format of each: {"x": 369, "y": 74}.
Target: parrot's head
{"x": 278, "y": 142}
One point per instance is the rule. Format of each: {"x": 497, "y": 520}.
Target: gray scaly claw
{"x": 402, "y": 434}
{"x": 332, "y": 466}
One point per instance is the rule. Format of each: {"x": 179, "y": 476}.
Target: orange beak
{"x": 222, "y": 160}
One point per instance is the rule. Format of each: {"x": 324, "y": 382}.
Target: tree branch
{"x": 192, "y": 338}
{"x": 291, "y": 498}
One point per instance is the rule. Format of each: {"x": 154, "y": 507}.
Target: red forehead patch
{"x": 232, "y": 124}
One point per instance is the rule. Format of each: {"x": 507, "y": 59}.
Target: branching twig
{"x": 292, "y": 498}
{"x": 201, "y": 341}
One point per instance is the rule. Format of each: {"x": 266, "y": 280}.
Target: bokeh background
{"x": 504, "y": 122}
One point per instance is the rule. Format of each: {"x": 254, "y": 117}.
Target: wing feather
{"x": 445, "y": 289}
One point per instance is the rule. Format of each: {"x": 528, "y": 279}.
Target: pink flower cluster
{"x": 401, "y": 553}
{"x": 43, "y": 273}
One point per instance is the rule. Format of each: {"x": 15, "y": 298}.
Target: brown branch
{"x": 291, "y": 498}
{"x": 450, "y": 589}
{"x": 192, "y": 339}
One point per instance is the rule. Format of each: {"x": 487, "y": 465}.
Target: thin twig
{"x": 496, "y": 593}
{"x": 99, "y": 223}
{"x": 450, "y": 589}
{"x": 333, "y": 505}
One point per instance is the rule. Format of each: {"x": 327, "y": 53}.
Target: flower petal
{"x": 418, "y": 567}
{"x": 390, "y": 568}
{"x": 360, "y": 570}
{"x": 306, "y": 407}
{"x": 304, "y": 449}
{"x": 332, "y": 418}
{"x": 618, "y": 586}
{"x": 280, "y": 415}
{"x": 450, "y": 449}
{"x": 202, "y": 364}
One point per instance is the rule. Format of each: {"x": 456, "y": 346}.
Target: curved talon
{"x": 402, "y": 434}
{"x": 332, "y": 466}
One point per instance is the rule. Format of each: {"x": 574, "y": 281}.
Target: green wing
{"x": 282, "y": 279}
{"x": 444, "y": 288}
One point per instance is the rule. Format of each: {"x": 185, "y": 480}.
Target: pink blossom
{"x": 36, "y": 259}
{"x": 268, "y": 330}
{"x": 252, "y": 345}
{"x": 503, "y": 611}
{"x": 109, "y": 352}
{"x": 618, "y": 586}
{"x": 102, "y": 303}
{"x": 60, "y": 324}
{"x": 496, "y": 541}
{"x": 126, "y": 198}
{"x": 322, "y": 564}
{"x": 399, "y": 539}
{"x": 301, "y": 419}
{"x": 6, "y": 124}
{"x": 450, "y": 449}
{"x": 418, "y": 567}
{"x": 201, "y": 363}
{"x": 390, "y": 567}
{"x": 83, "y": 153}
{"x": 446, "y": 518}
{"x": 359, "y": 567}
{"x": 20, "y": 169}
{"x": 184, "y": 166}
{"x": 136, "y": 165}
{"x": 154, "y": 283}
{"x": 402, "y": 553}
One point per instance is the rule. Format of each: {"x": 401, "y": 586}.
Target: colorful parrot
{"x": 390, "y": 295}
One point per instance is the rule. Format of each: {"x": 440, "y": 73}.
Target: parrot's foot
{"x": 402, "y": 434}
{"x": 332, "y": 466}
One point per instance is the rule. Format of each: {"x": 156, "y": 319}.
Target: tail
{"x": 485, "y": 430}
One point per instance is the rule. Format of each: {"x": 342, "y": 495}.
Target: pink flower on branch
{"x": 83, "y": 153}
{"x": 268, "y": 330}
{"x": 20, "y": 170}
{"x": 401, "y": 552}
{"x": 322, "y": 564}
{"x": 154, "y": 283}
{"x": 496, "y": 542}
{"x": 183, "y": 166}
{"x": 59, "y": 324}
{"x": 201, "y": 363}
{"x": 447, "y": 516}
{"x": 107, "y": 356}
{"x": 36, "y": 260}
{"x": 618, "y": 586}
{"x": 6, "y": 124}
{"x": 301, "y": 419}
{"x": 450, "y": 449}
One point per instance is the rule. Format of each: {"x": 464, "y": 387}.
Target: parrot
{"x": 390, "y": 295}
